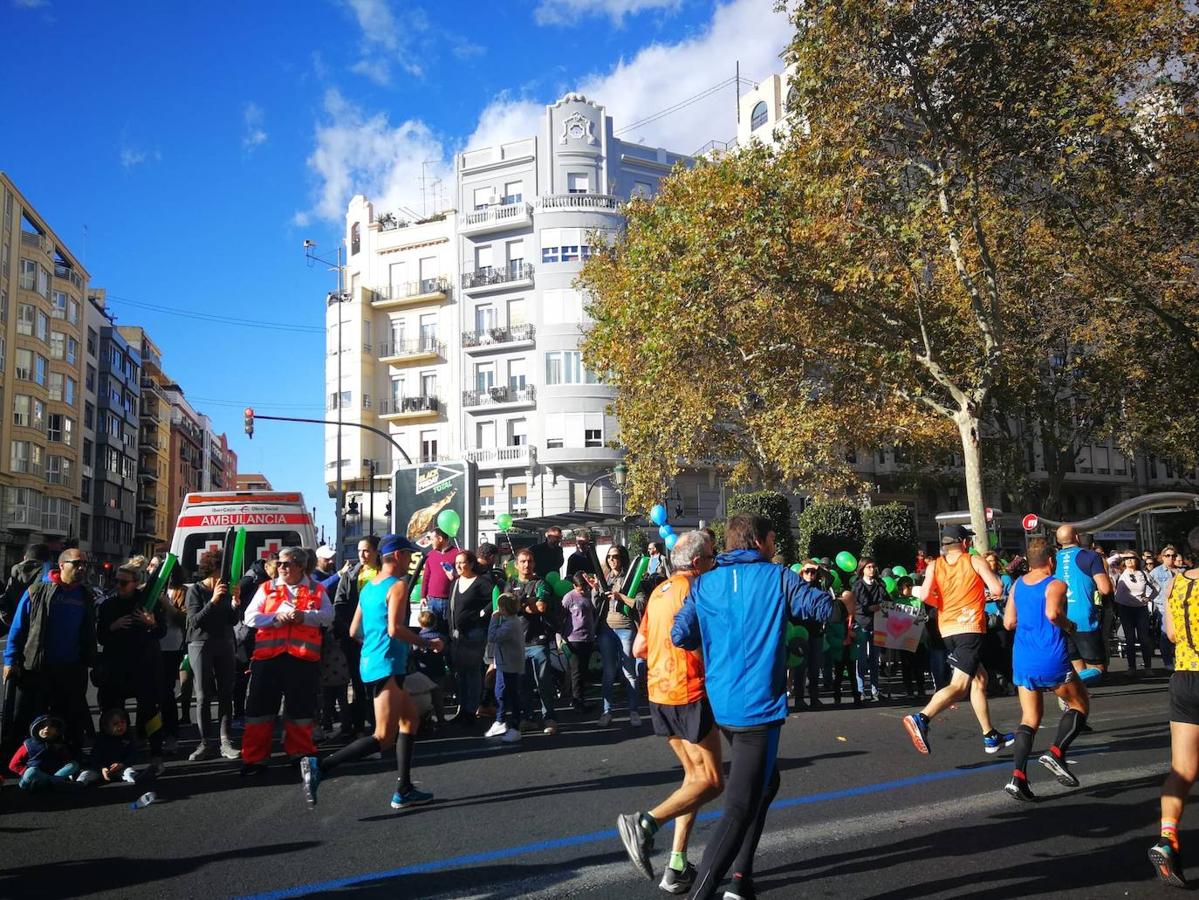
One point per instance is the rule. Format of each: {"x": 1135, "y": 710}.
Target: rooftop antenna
{"x": 737, "y": 92}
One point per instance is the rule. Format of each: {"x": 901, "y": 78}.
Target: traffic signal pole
{"x": 251, "y": 416}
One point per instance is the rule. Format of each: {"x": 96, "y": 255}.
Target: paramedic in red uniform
{"x": 288, "y": 612}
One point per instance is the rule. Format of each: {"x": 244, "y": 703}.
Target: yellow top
{"x": 1182, "y": 605}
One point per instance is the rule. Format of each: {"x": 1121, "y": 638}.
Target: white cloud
{"x": 132, "y": 156}
{"x": 356, "y": 153}
{"x": 386, "y": 39}
{"x": 30, "y": 4}
{"x": 254, "y": 134}
{"x": 569, "y": 12}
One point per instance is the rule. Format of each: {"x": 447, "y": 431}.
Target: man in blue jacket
{"x": 738, "y": 613}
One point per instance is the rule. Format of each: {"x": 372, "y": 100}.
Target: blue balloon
{"x": 657, "y": 514}
{"x": 665, "y": 531}
{"x": 671, "y": 540}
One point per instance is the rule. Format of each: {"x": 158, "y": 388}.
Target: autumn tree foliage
{"x": 973, "y": 197}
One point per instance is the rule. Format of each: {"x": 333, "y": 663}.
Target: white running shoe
{"x": 497, "y": 729}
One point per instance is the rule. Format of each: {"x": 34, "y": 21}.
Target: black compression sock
{"x": 1068, "y": 729}
{"x": 404, "y": 746}
{"x": 1022, "y": 747}
{"x": 358, "y": 749}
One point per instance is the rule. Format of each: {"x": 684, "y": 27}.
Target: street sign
{"x": 1030, "y": 522}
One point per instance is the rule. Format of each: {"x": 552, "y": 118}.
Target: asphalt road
{"x": 859, "y": 814}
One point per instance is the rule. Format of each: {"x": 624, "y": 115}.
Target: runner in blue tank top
{"x": 1083, "y": 573}
{"x": 1036, "y": 612}
{"x": 381, "y": 621}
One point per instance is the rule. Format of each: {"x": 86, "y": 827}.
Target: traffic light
{"x": 352, "y": 507}
{"x": 250, "y": 422}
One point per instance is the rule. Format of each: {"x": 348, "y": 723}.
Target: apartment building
{"x": 185, "y": 469}
{"x": 43, "y": 289}
{"x": 253, "y": 481}
{"x": 151, "y": 529}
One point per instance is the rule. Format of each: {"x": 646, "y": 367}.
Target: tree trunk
{"x": 972, "y": 456}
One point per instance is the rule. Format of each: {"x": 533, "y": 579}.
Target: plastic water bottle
{"x": 144, "y": 800}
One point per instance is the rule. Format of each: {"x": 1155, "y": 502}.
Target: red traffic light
{"x": 249, "y": 411}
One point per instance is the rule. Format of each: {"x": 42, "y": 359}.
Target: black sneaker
{"x": 678, "y": 882}
{"x": 1167, "y": 862}
{"x": 1018, "y": 789}
{"x": 637, "y": 842}
{"x": 1058, "y": 767}
{"x": 740, "y": 889}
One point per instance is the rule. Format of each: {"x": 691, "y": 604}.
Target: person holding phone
{"x": 212, "y": 611}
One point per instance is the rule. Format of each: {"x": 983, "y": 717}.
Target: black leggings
{"x": 752, "y": 784}
{"x": 1135, "y": 622}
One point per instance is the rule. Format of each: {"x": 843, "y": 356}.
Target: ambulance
{"x": 273, "y": 520}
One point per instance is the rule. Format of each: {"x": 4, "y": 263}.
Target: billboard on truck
{"x": 422, "y": 491}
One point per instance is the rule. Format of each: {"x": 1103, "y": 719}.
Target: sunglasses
{"x": 613, "y": 556}
{"x": 283, "y": 564}
{"x": 74, "y": 562}
{"x": 807, "y": 572}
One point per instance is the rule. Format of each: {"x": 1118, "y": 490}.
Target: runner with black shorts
{"x": 957, "y": 585}
{"x": 381, "y": 622}
{"x": 1182, "y": 628}
{"x": 1036, "y": 611}
{"x": 680, "y": 712}
{"x": 1083, "y": 573}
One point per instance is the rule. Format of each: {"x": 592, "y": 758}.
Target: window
{"x": 486, "y": 502}
{"x": 516, "y": 374}
{"x": 577, "y": 182}
{"x": 514, "y": 192}
{"x": 89, "y": 416}
{"x": 39, "y": 369}
{"x": 43, "y": 282}
{"x": 428, "y": 331}
{"x": 26, "y": 458}
{"x": 90, "y": 379}
{"x": 555, "y": 430}
{"x": 428, "y": 446}
{"x": 72, "y": 312}
{"x": 484, "y": 317}
{"x": 85, "y": 493}
{"x": 58, "y": 514}
{"x": 60, "y": 429}
{"x": 485, "y": 435}
{"x": 72, "y": 350}
{"x": 58, "y": 470}
{"x": 56, "y": 384}
{"x": 92, "y": 340}
{"x": 24, "y": 364}
{"x": 792, "y": 100}
{"x": 355, "y": 238}
{"x": 483, "y": 258}
{"x": 58, "y": 345}
{"x": 757, "y": 118}
{"x": 397, "y": 392}
{"x": 22, "y": 506}
{"x": 518, "y": 433}
{"x": 28, "y": 274}
{"x": 563, "y": 245}
{"x": 59, "y": 301}
{"x": 517, "y": 314}
{"x": 429, "y": 272}
{"x": 115, "y": 358}
{"x": 515, "y": 251}
{"x": 518, "y": 499}
{"x": 395, "y": 274}
{"x": 21, "y": 410}
{"x": 26, "y": 315}
{"x": 566, "y": 367}
{"x": 642, "y": 189}
{"x": 484, "y": 376}
{"x": 482, "y": 197}
{"x": 562, "y": 306}
{"x": 428, "y": 384}
{"x": 43, "y": 325}
{"x": 593, "y": 437}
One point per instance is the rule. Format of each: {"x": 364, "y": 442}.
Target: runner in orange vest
{"x": 957, "y": 585}
{"x": 288, "y": 613}
{"x": 681, "y": 713}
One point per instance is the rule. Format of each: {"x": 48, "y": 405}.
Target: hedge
{"x": 890, "y": 535}
{"x": 775, "y": 507}
{"x": 825, "y": 529}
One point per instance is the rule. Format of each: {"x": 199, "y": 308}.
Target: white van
{"x": 273, "y": 520}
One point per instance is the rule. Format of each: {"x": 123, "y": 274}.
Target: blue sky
{"x": 186, "y": 150}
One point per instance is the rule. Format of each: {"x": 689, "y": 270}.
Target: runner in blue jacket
{"x": 737, "y": 613}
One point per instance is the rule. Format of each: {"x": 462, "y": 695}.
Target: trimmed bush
{"x": 890, "y": 535}
{"x": 825, "y": 529}
{"x": 775, "y": 507}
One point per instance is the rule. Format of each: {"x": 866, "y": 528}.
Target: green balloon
{"x": 890, "y": 584}
{"x": 504, "y": 521}
{"x": 414, "y": 594}
{"x": 899, "y": 571}
{"x": 449, "y": 522}
{"x": 846, "y": 561}
{"x": 561, "y": 588}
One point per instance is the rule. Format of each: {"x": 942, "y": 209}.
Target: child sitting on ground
{"x": 431, "y": 663}
{"x": 506, "y": 650}
{"x": 113, "y": 753}
{"x": 44, "y": 759}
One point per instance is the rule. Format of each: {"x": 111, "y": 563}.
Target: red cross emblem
{"x": 216, "y": 546}
{"x": 269, "y": 548}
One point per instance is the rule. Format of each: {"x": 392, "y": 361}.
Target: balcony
{"x": 146, "y": 500}
{"x": 503, "y": 457}
{"x": 147, "y": 472}
{"x": 68, "y": 274}
{"x": 489, "y": 278}
{"x": 510, "y": 337}
{"x": 149, "y": 440}
{"x": 410, "y": 409}
{"x": 500, "y": 397}
{"x": 406, "y": 353}
{"x": 602, "y": 202}
{"x": 410, "y": 293}
{"x": 497, "y": 218}
{"x": 40, "y": 241}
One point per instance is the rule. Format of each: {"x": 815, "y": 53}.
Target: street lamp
{"x": 618, "y": 475}
{"x": 338, "y": 297}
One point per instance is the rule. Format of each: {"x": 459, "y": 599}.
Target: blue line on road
{"x": 471, "y": 859}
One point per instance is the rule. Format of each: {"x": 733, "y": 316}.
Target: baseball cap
{"x": 955, "y": 533}
{"x": 392, "y": 543}
{"x": 324, "y": 551}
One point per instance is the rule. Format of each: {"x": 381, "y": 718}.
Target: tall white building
{"x": 461, "y": 333}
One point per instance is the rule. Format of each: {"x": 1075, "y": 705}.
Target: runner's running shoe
{"x": 411, "y": 797}
{"x": 996, "y": 741}
{"x": 678, "y": 882}
{"x": 1058, "y": 767}
{"x": 310, "y": 778}
{"x": 1167, "y": 862}
{"x": 637, "y": 842}
{"x": 740, "y": 889}
{"x": 1018, "y": 788}
{"x": 917, "y": 727}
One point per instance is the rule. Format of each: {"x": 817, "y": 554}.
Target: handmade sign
{"x": 898, "y": 626}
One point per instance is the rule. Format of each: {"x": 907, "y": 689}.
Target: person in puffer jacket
{"x": 738, "y": 613}
{"x": 44, "y": 759}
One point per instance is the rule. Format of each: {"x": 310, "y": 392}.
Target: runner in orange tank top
{"x": 680, "y": 712}
{"x": 957, "y": 584}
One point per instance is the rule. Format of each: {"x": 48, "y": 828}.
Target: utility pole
{"x": 371, "y": 464}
